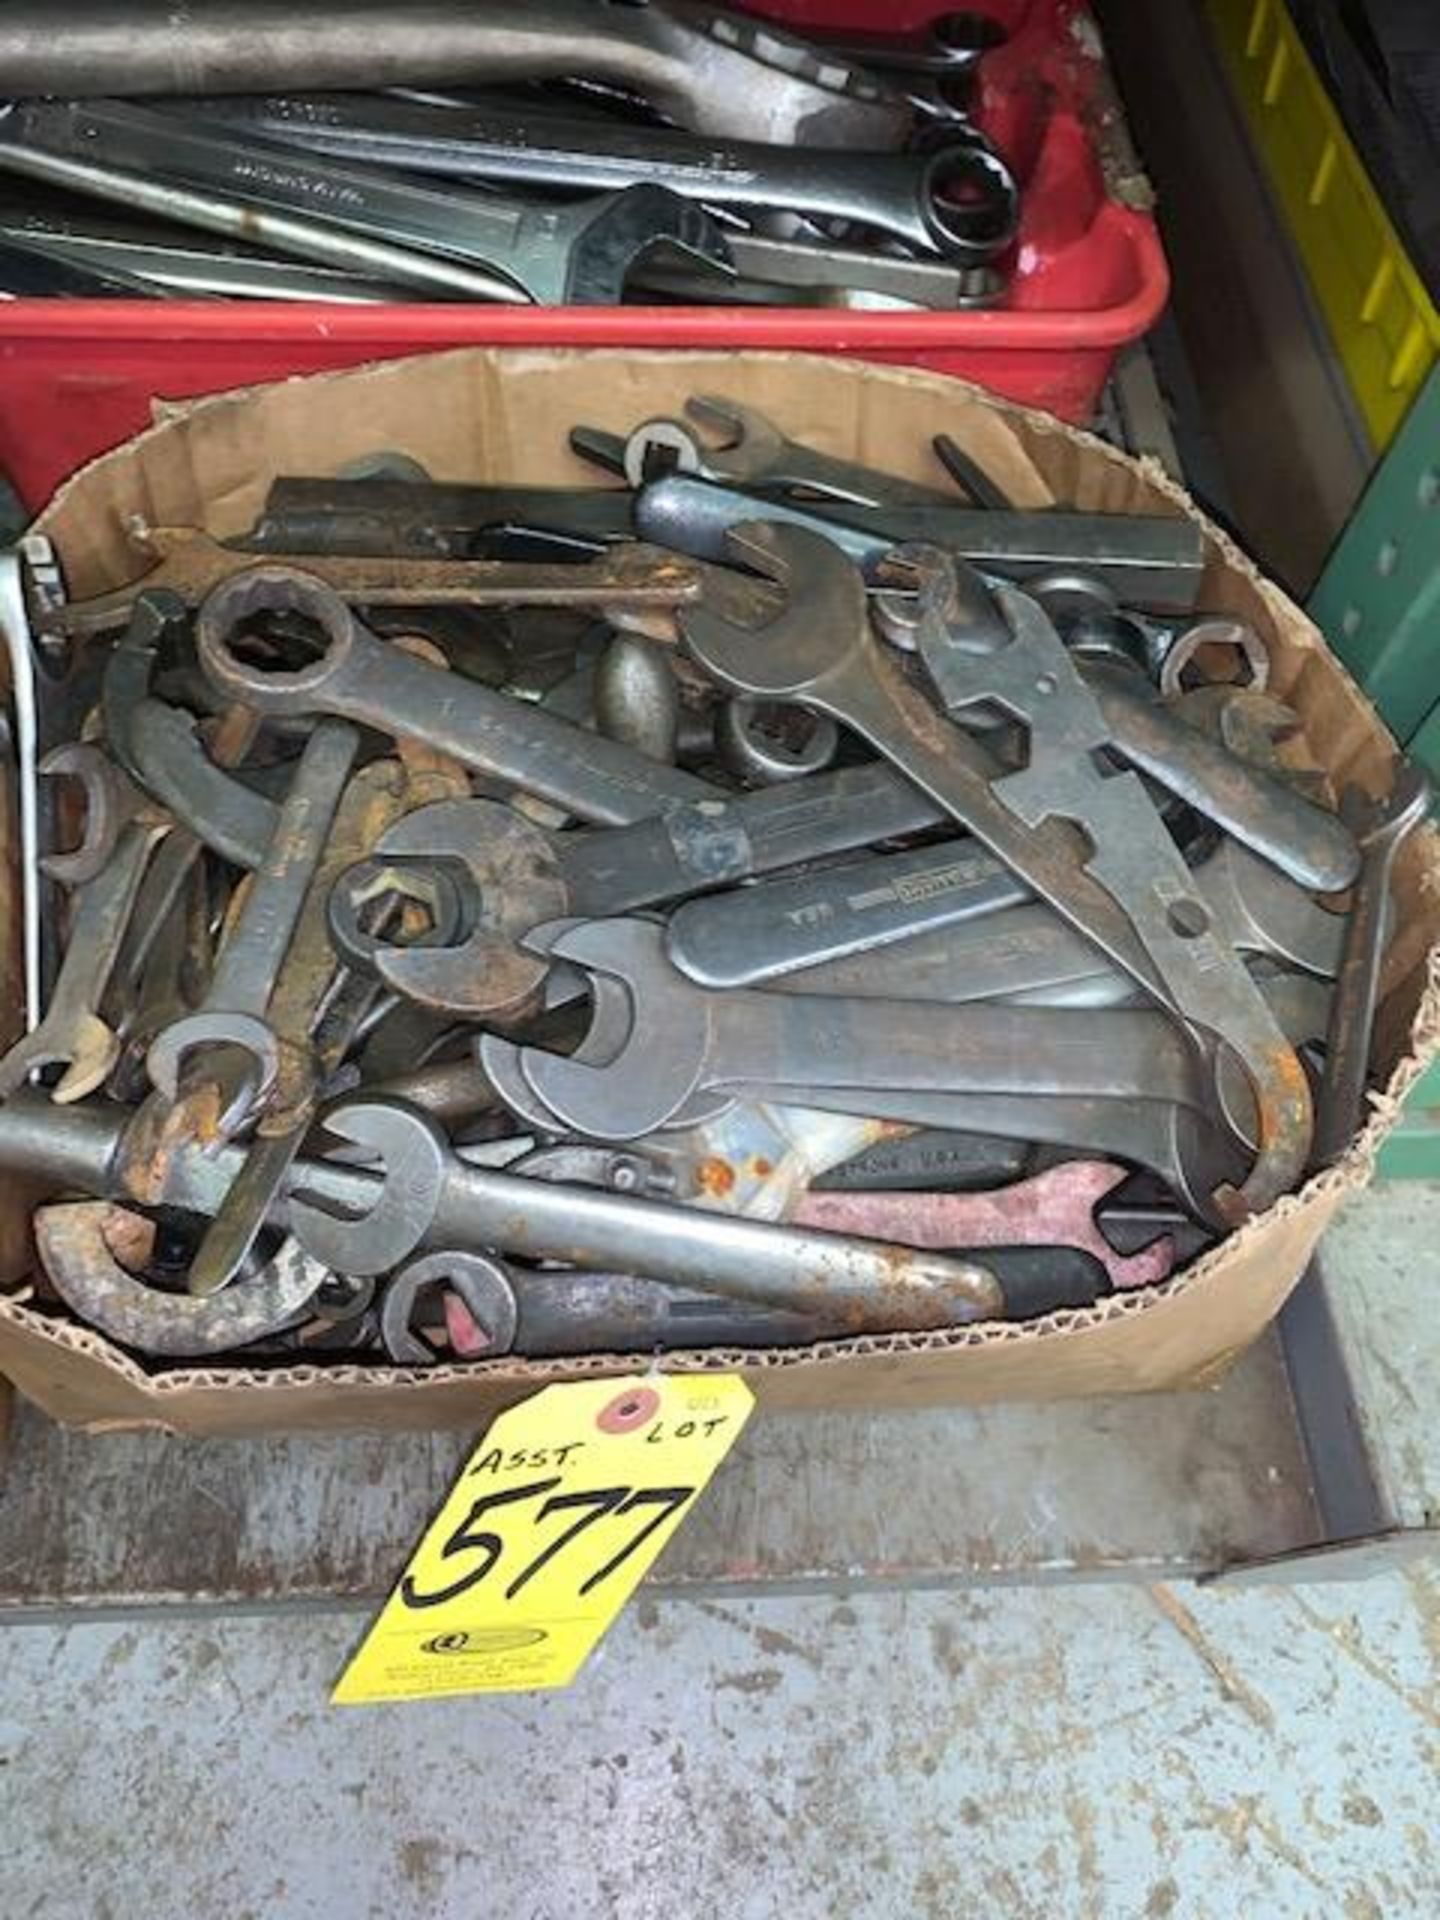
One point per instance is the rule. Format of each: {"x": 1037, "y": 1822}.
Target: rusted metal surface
{"x": 1052, "y": 1209}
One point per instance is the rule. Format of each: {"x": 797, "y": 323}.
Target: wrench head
{"x": 515, "y": 884}
{"x": 656, "y": 447}
{"x": 481, "y": 1284}
{"x": 110, "y": 802}
{"x": 822, "y": 624}
{"x": 240, "y": 1032}
{"x": 250, "y": 596}
{"x": 88, "y": 1052}
{"x": 641, "y": 1084}
{"x": 415, "y": 1157}
{"x": 75, "y": 1247}
{"x": 749, "y": 443}
{"x": 632, "y": 226}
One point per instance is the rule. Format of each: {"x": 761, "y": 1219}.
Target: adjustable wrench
{"x": 73, "y": 1244}
{"x": 752, "y": 453}
{"x": 231, "y": 1018}
{"x": 715, "y": 71}
{"x": 959, "y": 200}
{"x": 970, "y": 929}
{"x": 428, "y": 1191}
{"x": 1147, "y": 560}
{"x": 556, "y": 255}
{"x": 360, "y": 677}
{"x": 519, "y": 875}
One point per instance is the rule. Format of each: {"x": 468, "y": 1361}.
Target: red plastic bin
{"x": 1088, "y": 276}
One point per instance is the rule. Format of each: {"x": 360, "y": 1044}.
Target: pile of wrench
{"x": 770, "y": 902}
{"x": 665, "y": 153}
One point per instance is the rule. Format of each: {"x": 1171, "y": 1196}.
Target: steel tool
{"x": 358, "y": 676}
{"x": 958, "y": 200}
{"x": 752, "y": 452}
{"x": 189, "y": 564}
{"x": 428, "y": 1191}
{"x": 241, "y": 218}
{"x": 1147, "y": 560}
{"x": 557, "y": 255}
{"x": 483, "y": 1285}
{"x": 763, "y": 743}
{"x": 520, "y": 875}
{"x": 965, "y": 928}
{"x": 1055, "y": 1208}
{"x": 20, "y": 658}
{"x": 661, "y": 1050}
{"x": 1382, "y": 828}
{"x": 230, "y": 1024}
{"x": 72, "y": 1032}
{"x": 707, "y": 69}
{"x": 73, "y": 1242}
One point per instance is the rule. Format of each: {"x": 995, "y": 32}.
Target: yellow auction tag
{"x": 555, "y": 1518}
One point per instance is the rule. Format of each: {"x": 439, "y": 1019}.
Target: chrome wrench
{"x": 555, "y": 255}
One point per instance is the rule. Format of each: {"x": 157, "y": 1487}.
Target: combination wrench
{"x": 428, "y": 1191}
{"x": 959, "y": 201}
{"x": 713, "y": 71}
{"x": 828, "y": 657}
{"x": 580, "y": 253}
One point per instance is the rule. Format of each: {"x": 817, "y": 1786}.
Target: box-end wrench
{"x": 519, "y": 875}
{"x": 713, "y": 71}
{"x": 1383, "y": 828}
{"x": 959, "y": 201}
{"x": 577, "y": 254}
{"x": 428, "y": 1191}
{"x": 230, "y": 1025}
{"x": 1148, "y": 560}
{"x": 357, "y": 675}
{"x": 73, "y": 1242}
{"x": 955, "y": 924}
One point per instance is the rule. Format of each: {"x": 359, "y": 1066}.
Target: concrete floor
{"x": 1089, "y": 1751}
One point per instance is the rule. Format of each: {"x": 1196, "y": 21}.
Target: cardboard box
{"x": 493, "y": 415}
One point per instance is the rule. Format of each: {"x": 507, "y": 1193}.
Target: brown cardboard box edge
{"x": 492, "y": 413}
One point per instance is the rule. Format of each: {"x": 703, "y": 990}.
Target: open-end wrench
{"x": 428, "y": 1191}
{"x": 660, "y": 1047}
{"x": 72, "y": 1032}
{"x": 830, "y": 661}
{"x": 1147, "y": 559}
{"x": 358, "y": 676}
{"x": 959, "y": 200}
{"x": 753, "y": 453}
{"x": 1383, "y": 828}
{"x": 231, "y": 1021}
{"x": 73, "y": 1242}
{"x": 1055, "y": 1208}
{"x": 189, "y": 564}
{"x": 579, "y": 253}
{"x": 717, "y": 72}
{"x": 520, "y": 875}
{"x": 968, "y": 928}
